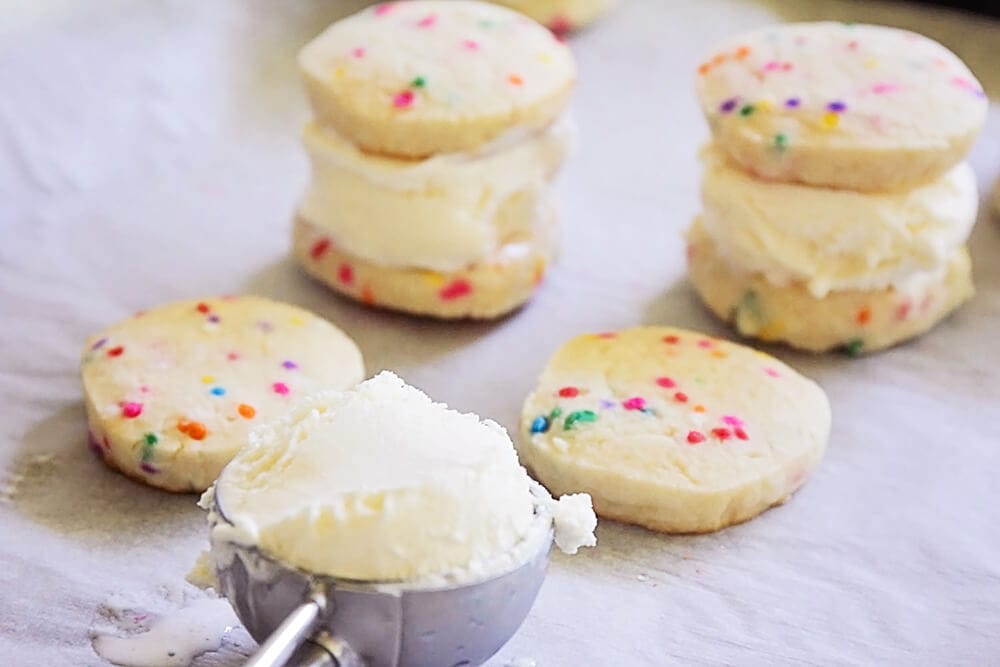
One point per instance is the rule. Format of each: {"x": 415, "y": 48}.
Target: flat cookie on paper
{"x": 861, "y": 107}
{"x": 412, "y": 79}
{"x": 671, "y": 429}
{"x": 173, "y": 392}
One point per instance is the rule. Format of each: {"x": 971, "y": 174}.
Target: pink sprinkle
{"x": 694, "y": 437}
{"x": 666, "y": 383}
{"x": 741, "y": 434}
{"x": 773, "y": 373}
{"x": 358, "y": 52}
{"x": 634, "y": 403}
{"x": 280, "y": 388}
{"x": 403, "y": 100}
{"x": 471, "y": 44}
{"x": 455, "y": 290}
{"x": 345, "y": 274}
{"x": 384, "y": 8}
{"x": 733, "y": 421}
{"x": 883, "y": 88}
{"x": 428, "y": 21}
{"x": 722, "y": 433}
{"x": 144, "y": 389}
{"x": 704, "y": 343}
{"x": 772, "y": 65}
{"x": 131, "y": 410}
{"x": 233, "y": 356}
{"x": 607, "y": 335}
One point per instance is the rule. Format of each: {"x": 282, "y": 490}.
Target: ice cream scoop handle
{"x": 295, "y": 629}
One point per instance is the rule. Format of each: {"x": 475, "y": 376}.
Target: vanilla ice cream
{"x": 833, "y": 239}
{"x": 378, "y": 483}
{"x": 441, "y": 213}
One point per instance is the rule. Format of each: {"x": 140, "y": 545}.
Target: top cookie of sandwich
{"x": 412, "y": 79}
{"x": 841, "y": 105}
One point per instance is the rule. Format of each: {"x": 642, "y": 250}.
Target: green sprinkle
{"x": 419, "y": 82}
{"x": 148, "y": 443}
{"x": 579, "y": 416}
{"x": 746, "y": 110}
{"x": 150, "y": 439}
{"x": 556, "y": 412}
{"x": 855, "y": 347}
{"x": 486, "y": 23}
{"x": 780, "y": 141}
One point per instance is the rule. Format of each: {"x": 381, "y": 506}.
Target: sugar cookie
{"x": 486, "y": 289}
{"x": 671, "y": 429}
{"x": 172, "y": 393}
{"x": 857, "y": 321}
{"x": 861, "y": 107}
{"x": 561, "y": 16}
{"x": 411, "y": 79}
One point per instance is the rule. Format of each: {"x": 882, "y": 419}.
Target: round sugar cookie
{"x": 671, "y": 429}
{"x": 862, "y": 107}
{"x": 412, "y": 79}
{"x": 485, "y": 290}
{"x": 855, "y": 321}
{"x": 561, "y": 16}
{"x": 173, "y": 392}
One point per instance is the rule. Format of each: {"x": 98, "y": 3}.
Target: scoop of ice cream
{"x": 379, "y": 483}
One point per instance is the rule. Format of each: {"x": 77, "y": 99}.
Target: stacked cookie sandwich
{"x": 438, "y": 129}
{"x": 836, "y": 204}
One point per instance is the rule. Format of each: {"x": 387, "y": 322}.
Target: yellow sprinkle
{"x": 207, "y": 379}
{"x": 772, "y": 331}
{"x": 434, "y": 279}
{"x": 871, "y": 63}
{"x": 339, "y": 73}
{"x": 297, "y": 321}
{"x": 830, "y": 120}
{"x": 764, "y": 105}
{"x": 545, "y": 58}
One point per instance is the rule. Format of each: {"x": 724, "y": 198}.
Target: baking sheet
{"x": 149, "y": 153}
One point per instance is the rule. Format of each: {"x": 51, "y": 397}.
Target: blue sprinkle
{"x": 218, "y": 391}
{"x": 540, "y": 425}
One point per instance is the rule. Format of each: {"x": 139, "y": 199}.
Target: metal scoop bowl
{"x": 317, "y": 621}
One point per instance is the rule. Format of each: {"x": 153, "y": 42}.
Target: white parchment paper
{"x": 149, "y": 152}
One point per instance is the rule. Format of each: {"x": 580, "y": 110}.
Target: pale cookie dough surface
{"x": 671, "y": 429}
{"x": 855, "y": 321}
{"x": 173, "y": 392}
{"x": 561, "y": 16}
{"x": 442, "y": 213}
{"x": 487, "y": 289}
{"x": 431, "y": 76}
{"x": 831, "y": 239}
{"x": 861, "y": 107}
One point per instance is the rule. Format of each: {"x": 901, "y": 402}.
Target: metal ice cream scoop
{"x": 317, "y": 621}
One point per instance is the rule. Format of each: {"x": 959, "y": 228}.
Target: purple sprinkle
{"x": 99, "y": 344}
{"x": 792, "y": 102}
{"x": 148, "y": 468}
{"x": 729, "y": 105}
{"x": 290, "y": 365}
{"x": 606, "y": 404}
{"x": 213, "y": 318}
{"x": 265, "y": 326}
{"x": 836, "y": 106}
{"x": 95, "y": 446}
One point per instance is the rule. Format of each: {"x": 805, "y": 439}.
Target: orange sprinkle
{"x": 183, "y": 425}
{"x": 742, "y": 52}
{"x": 367, "y": 295}
{"x": 719, "y": 59}
{"x": 719, "y": 354}
{"x": 515, "y": 79}
{"x": 246, "y": 411}
{"x": 864, "y": 315}
{"x": 699, "y": 408}
{"x": 196, "y": 431}
{"x": 704, "y": 68}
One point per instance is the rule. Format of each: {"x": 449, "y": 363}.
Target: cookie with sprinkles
{"x": 486, "y": 289}
{"x": 671, "y": 429}
{"x": 562, "y": 17}
{"x": 855, "y": 321}
{"x": 171, "y": 393}
{"x": 862, "y": 107}
{"x": 413, "y": 79}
